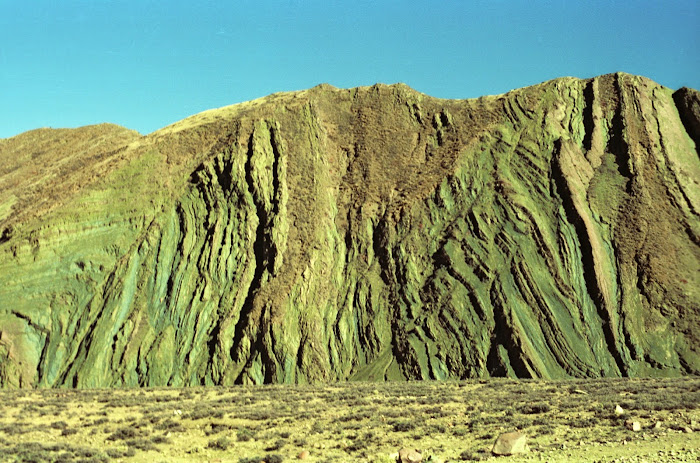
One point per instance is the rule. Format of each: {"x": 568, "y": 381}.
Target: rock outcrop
{"x": 373, "y": 233}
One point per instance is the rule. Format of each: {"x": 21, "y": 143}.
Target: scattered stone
{"x": 303, "y": 455}
{"x": 619, "y": 410}
{"x": 410, "y": 456}
{"x": 658, "y": 426}
{"x": 687, "y": 430}
{"x": 510, "y": 443}
{"x": 633, "y": 425}
{"x": 579, "y": 391}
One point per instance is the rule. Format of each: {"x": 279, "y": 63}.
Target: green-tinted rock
{"x": 368, "y": 234}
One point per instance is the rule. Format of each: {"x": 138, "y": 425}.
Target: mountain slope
{"x": 371, "y": 233}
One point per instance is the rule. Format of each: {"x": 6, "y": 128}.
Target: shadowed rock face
{"x": 372, "y": 233}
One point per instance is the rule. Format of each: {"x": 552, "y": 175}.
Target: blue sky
{"x": 145, "y": 64}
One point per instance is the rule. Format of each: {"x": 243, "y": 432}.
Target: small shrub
{"x": 438, "y": 428}
{"x": 205, "y": 412}
{"x": 277, "y": 445}
{"x": 216, "y": 428}
{"x": 545, "y": 430}
{"x": 117, "y": 453}
{"x": 141, "y": 444}
{"x": 356, "y": 446}
{"x": 160, "y": 440}
{"x": 100, "y": 421}
{"x": 59, "y": 425}
{"x": 222, "y": 443}
{"x": 260, "y": 415}
{"x": 468, "y": 455}
{"x": 532, "y": 409}
{"x": 170, "y": 425}
{"x": 91, "y": 454}
{"x": 244, "y": 435}
{"x": 403, "y": 426}
{"x": 14, "y": 429}
{"x": 300, "y": 442}
{"x": 590, "y": 422}
{"x": 123, "y": 434}
{"x": 317, "y": 428}
{"x": 436, "y": 412}
{"x": 273, "y": 458}
{"x": 64, "y": 457}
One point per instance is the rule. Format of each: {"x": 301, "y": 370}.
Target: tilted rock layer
{"x": 374, "y": 233}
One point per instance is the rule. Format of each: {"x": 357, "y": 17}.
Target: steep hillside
{"x": 372, "y": 233}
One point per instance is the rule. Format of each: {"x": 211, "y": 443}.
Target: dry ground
{"x": 355, "y": 422}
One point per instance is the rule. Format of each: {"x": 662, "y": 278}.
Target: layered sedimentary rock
{"x": 374, "y": 233}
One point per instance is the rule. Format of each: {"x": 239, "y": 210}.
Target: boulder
{"x": 633, "y": 425}
{"x": 510, "y": 443}
{"x": 410, "y": 456}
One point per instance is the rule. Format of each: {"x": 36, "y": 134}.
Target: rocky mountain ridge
{"x": 373, "y": 233}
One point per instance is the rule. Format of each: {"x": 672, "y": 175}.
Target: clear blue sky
{"x": 144, "y": 64}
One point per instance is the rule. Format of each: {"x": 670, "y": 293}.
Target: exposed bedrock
{"x": 365, "y": 234}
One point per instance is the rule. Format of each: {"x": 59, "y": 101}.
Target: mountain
{"x": 372, "y": 233}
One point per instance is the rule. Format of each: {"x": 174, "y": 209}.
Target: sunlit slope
{"x": 371, "y": 233}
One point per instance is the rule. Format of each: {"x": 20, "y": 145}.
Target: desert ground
{"x": 564, "y": 421}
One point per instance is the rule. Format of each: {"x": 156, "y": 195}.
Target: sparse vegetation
{"x": 350, "y": 422}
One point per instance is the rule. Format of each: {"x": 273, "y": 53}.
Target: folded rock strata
{"x": 374, "y": 233}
